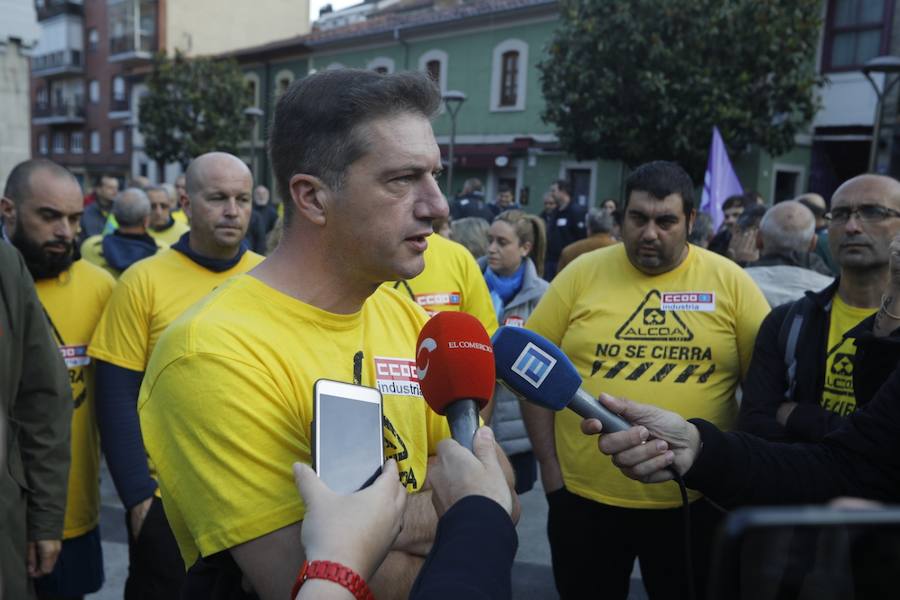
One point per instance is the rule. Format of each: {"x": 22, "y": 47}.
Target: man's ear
{"x": 310, "y": 197}
{"x": 8, "y": 214}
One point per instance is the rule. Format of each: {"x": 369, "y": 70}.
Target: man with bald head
{"x": 147, "y": 298}
{"x": 163, "y": 226}
{"x": 817, "y": 205}
{"x": 800, "y": 384}
{"x": 787, "y": 266}
{"x": 130, "y": 242}
{"x": 41, "y": 208}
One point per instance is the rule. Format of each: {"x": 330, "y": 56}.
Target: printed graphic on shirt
{"x": 837, "y": 394}
{"x": 439, "y": 299}
{"x": 395, "y": 448}
{"x": 688, "y": 301}
{"x": 514, "y": 321}
{"x": 651, "y": 322}
{"x": 397, "y": 376}
{"x": 76, "y": 359}
{"x": 656, "y": 359}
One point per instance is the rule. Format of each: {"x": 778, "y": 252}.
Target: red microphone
{"x": 455, "y": 367}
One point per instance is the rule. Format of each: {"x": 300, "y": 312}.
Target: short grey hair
{"x": 598, "y": 220}
{"x": 131, "y": 207}
{"x": 471, "y": 232}
{"x": 787, "y": 227}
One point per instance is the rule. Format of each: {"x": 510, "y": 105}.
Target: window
{"x": 856, "y": 31}
{"x": 119, "y": 141}
{"x": 433, "y": 68}
{"x": 59, "y": 143}
{"x": 95, "y": 142}
{"x": 77, "y": 142}
{"x": 93, "y": 39}
{"x": 434, "y": 64}
{"x": 509, "y": 78}
{"x": 509, "y": 75}
{"x": 42, "y": 143}
{"x": 381, "y": 64}
{"x": 41, "y": 97}
{"x": 94, "y": 91}
{"x": 118, "y": 88}
{"x": 283, "y": 81}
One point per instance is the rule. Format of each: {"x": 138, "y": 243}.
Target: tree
{"x": 193, "y": 106}
{"x": 640, "y": 80}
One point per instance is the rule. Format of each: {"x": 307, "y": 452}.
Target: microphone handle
{"x": 462, "y": 415}
{"x": 589, "y": 408}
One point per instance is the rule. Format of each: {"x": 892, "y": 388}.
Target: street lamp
{"x": 453, "y": 100}
{"x": 886, "y": 65}
{"x": 253, "y": 114}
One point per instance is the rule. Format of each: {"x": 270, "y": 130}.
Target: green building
{"x": 489, "y": 51}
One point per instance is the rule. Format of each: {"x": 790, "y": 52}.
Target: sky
{"x": 315, "y": 5}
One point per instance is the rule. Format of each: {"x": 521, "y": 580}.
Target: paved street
{"x": 532, "y": 577}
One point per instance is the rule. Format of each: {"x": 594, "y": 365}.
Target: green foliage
{"x": 193, "y": 106}
{"x": 640, "y": 80}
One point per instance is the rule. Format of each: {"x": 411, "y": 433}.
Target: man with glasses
{"x": 800, "y": 383}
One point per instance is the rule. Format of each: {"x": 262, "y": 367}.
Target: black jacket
{"x": 860, "y": 458}
{"x": 766, "y": 381}
{"x": 564, "y": 227}
{"x": 472, "y": 554}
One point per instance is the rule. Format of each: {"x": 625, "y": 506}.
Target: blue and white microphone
{"x": 535, "y": 369}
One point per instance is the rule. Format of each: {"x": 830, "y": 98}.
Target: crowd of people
{"x": 179, "y": 329}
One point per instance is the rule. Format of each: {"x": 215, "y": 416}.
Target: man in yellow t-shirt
{"x": 42, "y": 223}
{"x": 813, "y": 401}
{"x": 227, "y": 401}
{"x": 451, "y": 281}
{"x": 163, "y": 226}
{"x": 657, "y": 320}
{"x": 148, "y": 297}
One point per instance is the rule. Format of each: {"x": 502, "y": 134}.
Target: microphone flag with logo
{"x": 455, "y": 368}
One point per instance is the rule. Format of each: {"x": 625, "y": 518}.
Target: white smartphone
{"x": 348, "y": 436}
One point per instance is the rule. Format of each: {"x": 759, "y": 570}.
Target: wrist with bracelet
{"x": 335, "y": 572}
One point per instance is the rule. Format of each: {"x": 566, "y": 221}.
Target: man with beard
{"x": 148, "y": 297}
{"x": 808, "y": 393}
{"x": 652, "y": 317}
{"x": 41, "y": 208}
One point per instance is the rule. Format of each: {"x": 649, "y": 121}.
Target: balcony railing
{"x": 119, "y": 105}
{"x": 51, "y": 8}
{"x": 59, "y": 112}
{"x": 61, "y": 61}
{"x": 131, "y": 46}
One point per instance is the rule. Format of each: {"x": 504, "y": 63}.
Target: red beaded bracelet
{"x": 336, "y": 572}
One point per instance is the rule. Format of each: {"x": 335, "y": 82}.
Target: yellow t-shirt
{"x": 180, "y": 217}
{"x": 226, "y": 404}
{"x": 837, "y": 394}
{"x": 681, "y": 340}
{"x": 171, "y": 234}
{"x": 149, "y": 296}
{"x": 74, "y": 301}
{"x": 451, "y": 281}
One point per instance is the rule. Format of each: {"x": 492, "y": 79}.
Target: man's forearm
{"x": 886, "y": 320}
{"x": 395, "y": 577}
{"x": 539, "y": 425}
{"x": 419, "y": 525}
{"x": 120, "y": 432}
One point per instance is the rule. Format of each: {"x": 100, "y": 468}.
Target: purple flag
{"x": 719, "y": 182}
